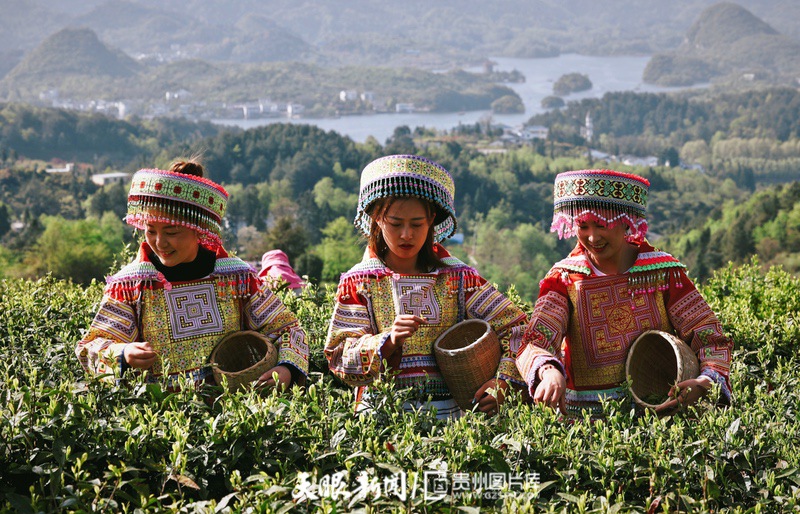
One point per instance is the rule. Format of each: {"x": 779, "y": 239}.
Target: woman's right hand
{"x": 404, "y": 326}
{"x": 140, "y": 355}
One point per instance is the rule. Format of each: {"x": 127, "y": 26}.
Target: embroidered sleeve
{"x": 507, "y": 320}
{"x": 265, "y": 313}
{"x": 114, "y": 326}
{"x": 541, "y": 342}
{"x": 352, "y": 348}
{"x": 697, "y": 324}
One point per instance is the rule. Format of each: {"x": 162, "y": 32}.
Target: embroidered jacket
{"x": 369, "y": 297}
{"x": 183, "y": 321}
{"x": 598, "y": 317}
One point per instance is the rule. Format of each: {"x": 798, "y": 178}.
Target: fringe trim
{"x": 359, "y": 280}
{"x": 652, "y": 271}
{"x": 232, "y": 276}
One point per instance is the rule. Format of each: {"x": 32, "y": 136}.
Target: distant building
{"x": 404, "y": 107}
{"x": 348, "y": 96}
{"x": 180, "y": 94}
{"x": 295, "y": 109}
{"x": 587, "y": 131}
{"x": 67, "y": 168}
{"x": 640, "y": 161}
{"x": 102, "y": 179}
{"x": 533, "y": 132}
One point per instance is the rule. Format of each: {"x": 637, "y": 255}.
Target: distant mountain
{"x": 25, "y": 23}
{"x": 418, "y": 33}
{"x": 257, "y": 38}
{"x": 136, "y": 28}
{"x": 727, "y": 40}
{"x": 73, "y": 52}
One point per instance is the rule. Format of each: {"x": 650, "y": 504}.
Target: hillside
{"x": 433, "y": 35}
{"x": 727, "y": 40}
{"x": 157, "y": 33}
{"x": 71, "y": 52}
{"x": 82, "y": 68}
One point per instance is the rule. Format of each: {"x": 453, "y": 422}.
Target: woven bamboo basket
{"x": 656, "y": 361}
{"x": 242, "y": 357}
{"x": 467, "y": 354}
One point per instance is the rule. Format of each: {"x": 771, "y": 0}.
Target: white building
{"x": 101, "y": 179}
{"x": 67, "y": 168}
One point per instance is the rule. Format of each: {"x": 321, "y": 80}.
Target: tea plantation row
{"x": 70, "y": 443}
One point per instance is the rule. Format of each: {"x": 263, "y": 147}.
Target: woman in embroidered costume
{"x": 610, "y": 289}
{"x": 166, "y": 311}
{"x": 408, "y": 290}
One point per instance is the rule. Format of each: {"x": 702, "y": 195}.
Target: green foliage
{"x": 553, "y": 102}
{"x": 508, "y": 104}
{"x": 767, "y": 224}
{"x": 341, "y": 247}
{"x": 571, "y": 83}
{"x": 723, "y": 132}
{"x": 40, "y": 133}
{"x": 71, "y": 442}
{"x": 82, "y": 250}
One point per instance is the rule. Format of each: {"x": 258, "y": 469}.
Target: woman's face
{"x": 405, "y": 226}
{"x": 173, "y": 244}
{"x": 605, "y": 246}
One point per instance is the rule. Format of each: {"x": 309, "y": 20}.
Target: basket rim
{"x": 672, "y": 340}
{"x": 458, "y": 326}
{"x": 239, "y": 379}
{"x": 238, "y": 333}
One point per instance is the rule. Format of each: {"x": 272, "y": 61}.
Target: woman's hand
{"x": 140, "y": 355}
{"x": 404, "y": 326}
{"x": 684, "y": 394}
{"x": 491, "y": 396}
{"x": 267, "y": 380}
{"x": 551, "y": 388}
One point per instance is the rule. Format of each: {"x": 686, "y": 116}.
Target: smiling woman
{"x": 165, "y": 312}
{"x": 612, "y": 288}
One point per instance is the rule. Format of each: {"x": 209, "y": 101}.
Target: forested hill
{"x": 415, "y": 33}
{"x": 295, "y": 187}
{"x": 728, "y": 40}
{"x": 751, "y": 137}
{"x": 767, "y": 225}
{"x": 75, "y": 66}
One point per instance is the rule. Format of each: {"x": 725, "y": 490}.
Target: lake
{"x": 606, "y": 73}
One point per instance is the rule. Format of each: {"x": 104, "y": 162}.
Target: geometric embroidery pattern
{"x": 601, "y": 332}
{"x": 415, "y": 296}
{"x": 193, "y": 310}
{"x": 610, "y": 320}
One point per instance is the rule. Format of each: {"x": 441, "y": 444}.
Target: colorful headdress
{"x": 605, "y": 196}
{"x": 408, "y": 176}
{"x": 170, "y": 197}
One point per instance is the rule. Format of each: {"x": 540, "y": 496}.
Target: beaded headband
{"x": 170, "y": 197}
{"x": 408, "y": 176}
{"x": 605, "y": 196}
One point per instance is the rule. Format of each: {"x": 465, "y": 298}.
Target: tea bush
{"x": 71, "y": 443}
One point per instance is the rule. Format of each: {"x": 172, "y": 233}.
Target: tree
{"x": 669, "y": 157}
{"x": 287, "y": 235}
{"x": 340, "y": 248}
{"x": 80, "y": 250}
{"x": 5, "y": 219}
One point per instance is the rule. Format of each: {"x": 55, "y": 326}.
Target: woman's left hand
{"x": 267, "y": 380}
{"x": 489, "y": 402}
{"x": 688, "y": 393}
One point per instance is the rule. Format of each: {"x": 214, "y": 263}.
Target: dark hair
{"x": 427, "y": 259}
{"x": 188, "y": 167}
